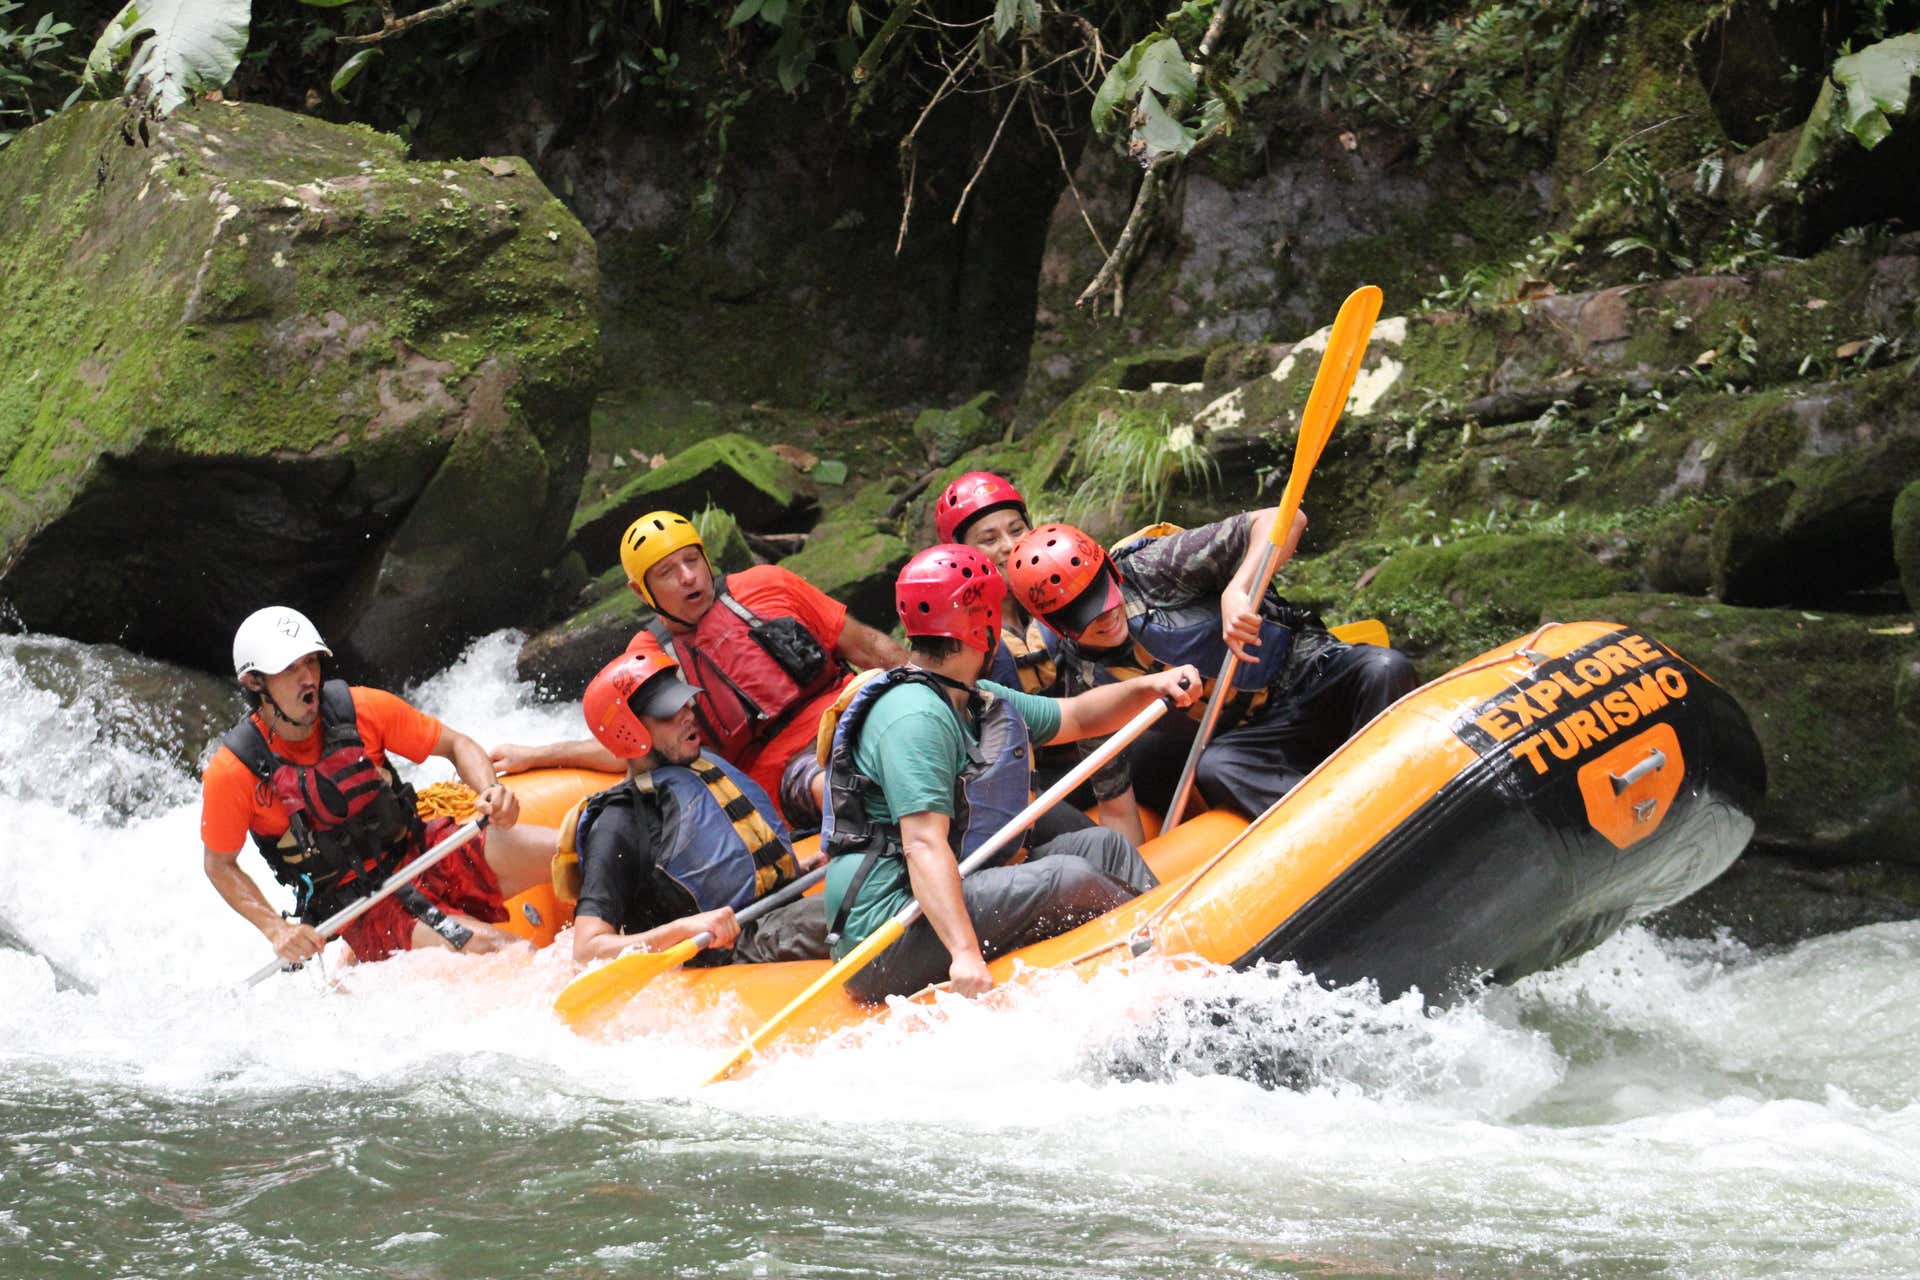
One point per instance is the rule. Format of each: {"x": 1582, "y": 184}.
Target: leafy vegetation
{"x": 1132, "y": 462}
{"x": 167, "y": 50}
{"x": 33, "y": 62}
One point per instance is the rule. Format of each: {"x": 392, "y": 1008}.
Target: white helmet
{"x": 273, "y": 639}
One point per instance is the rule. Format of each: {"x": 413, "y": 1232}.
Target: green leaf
{"x": 744, "y": 12}
{"x": 1161, "y": 132}
{"x": 1005, "y": 14}
{"x": 111, "y": 48}
{"x": 774, "y": 12}
{"x": 1877, "y": 81}
{"x": 1155, "y": 63}
{"x": 177, "y": 47}
{"x": 352, "y": 67}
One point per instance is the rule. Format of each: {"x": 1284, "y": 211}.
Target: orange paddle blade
{"x": 1339, "y": 366}
{"x": 1366, "y": 631}
{"x": 832, "y": 980}
{"x": 611, "y": 985}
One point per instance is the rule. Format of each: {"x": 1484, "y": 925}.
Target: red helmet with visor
{"x": 631, "y": 686}
{"x": 1063, "y": 575}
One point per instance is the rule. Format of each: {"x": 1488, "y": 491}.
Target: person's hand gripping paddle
{"x": 889, "y": 933}
{"x": 619, "y": 980}
{"x": 399, "y": 880}
{"x": 1352, "y": 329}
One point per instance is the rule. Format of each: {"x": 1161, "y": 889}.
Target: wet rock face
{"x": 262, "y": 358}
{"x": 763, "y": 268}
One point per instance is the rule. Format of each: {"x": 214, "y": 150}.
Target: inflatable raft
{"x": 1494, "y": 822}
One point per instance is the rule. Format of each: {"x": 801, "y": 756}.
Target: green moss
{"x": 727, "y": 470}
{"x": 1633, "y": 81}
{"x": 1906, "y": 542}
{"x": 947, "y": 433}
{"x": 854, "y": 563}
{"x": 1449, "y": 602}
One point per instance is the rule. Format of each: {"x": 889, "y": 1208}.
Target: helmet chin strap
{"x": 281, "y": 711}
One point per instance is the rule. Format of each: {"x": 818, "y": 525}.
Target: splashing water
{"x": 1655, "y": 1109}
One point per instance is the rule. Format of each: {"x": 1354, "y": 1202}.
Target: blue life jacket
{"x": 709, "y": 831}
{"x": 987, "y": 794}
{"x": 1190, "y": 633}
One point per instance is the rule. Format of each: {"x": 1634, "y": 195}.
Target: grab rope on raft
{"x": 445, "y": 800}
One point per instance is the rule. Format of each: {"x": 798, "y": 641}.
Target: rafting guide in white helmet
{"x": 305, "y": 774}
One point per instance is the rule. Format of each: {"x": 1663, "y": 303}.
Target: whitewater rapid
{"x": 1658, "y": 1107}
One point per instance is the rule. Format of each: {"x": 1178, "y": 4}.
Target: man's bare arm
{"x": 862, "y": 646}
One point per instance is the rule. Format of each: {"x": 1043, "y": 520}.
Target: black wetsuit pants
{"x": 1067, "y": 880}
{"x": 1332, "y": 698}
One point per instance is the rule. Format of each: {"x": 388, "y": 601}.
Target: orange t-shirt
{"x": 234, "y": 802}
{"x": 772, "y": 592}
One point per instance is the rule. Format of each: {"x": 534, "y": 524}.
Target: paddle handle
{"x": 889, "y": 933}
{"x": 760, "y": 906}
{"x": 399, "y": 880}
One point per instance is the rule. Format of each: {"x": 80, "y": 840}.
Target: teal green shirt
{"x": 914, "y": 747}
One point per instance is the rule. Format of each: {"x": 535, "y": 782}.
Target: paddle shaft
{"x": 1222, "y": 690}
{"x": 779, "y": 898}
{"x": 393, "y": 884}
{"x": 886, "y": 934}
{"x": 1339, "y": 364}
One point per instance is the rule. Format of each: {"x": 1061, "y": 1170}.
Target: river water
{"x": 1657, "y": 1108}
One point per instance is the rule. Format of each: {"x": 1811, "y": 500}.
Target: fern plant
{"x": 1131, "y": 462}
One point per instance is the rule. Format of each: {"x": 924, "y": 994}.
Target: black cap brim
{"x": 1079, "y": 613}
{"x": 662, "y": 696}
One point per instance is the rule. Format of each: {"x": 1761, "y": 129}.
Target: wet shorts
{"x": 460, "y": 882}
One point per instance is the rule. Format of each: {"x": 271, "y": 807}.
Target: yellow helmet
{"x": 651, "y": 539}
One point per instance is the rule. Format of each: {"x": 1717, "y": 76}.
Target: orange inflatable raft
{"x": 1494, "y": 822}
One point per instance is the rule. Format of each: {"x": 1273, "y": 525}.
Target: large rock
{"x": 1820, "y": 521}
{"x": 248, "y": 357}
{"x": 947, "y": 433}
{"x": 1444, "y": 604}
{"x": 560, "y": 660}
{"x": 1906, "y": 542}
{"x": 855, "y": 562}
{"x": 729, "y": 471}
{"x": 1835, "y": 700}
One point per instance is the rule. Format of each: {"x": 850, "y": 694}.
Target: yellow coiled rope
{"x": 445, "y": 800}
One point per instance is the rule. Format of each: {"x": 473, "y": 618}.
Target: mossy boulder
{"x": 855, "y": 562}
{"x": 265, "y": 358}
{"x": 1906, "y": 542}
{"x": 559, "y": 660}
{"x": 1443, "y": 604}
{"x": 1823, "y": 525}
{"x": 730, "y": 471}
{"x": 945, "y": 434}
{"x": 1835, "y": 700}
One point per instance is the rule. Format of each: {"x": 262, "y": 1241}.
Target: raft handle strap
{"x": 1656, "y": 760}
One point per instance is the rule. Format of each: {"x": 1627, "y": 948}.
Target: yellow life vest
{"x": 1031, "y": 658}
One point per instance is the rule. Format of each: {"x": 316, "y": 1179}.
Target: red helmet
{"x": 951, "y": 591}
{"x": 1063, "y": 575}
{"x": 613, "y": 706}
{"x": 973, "y": 494}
